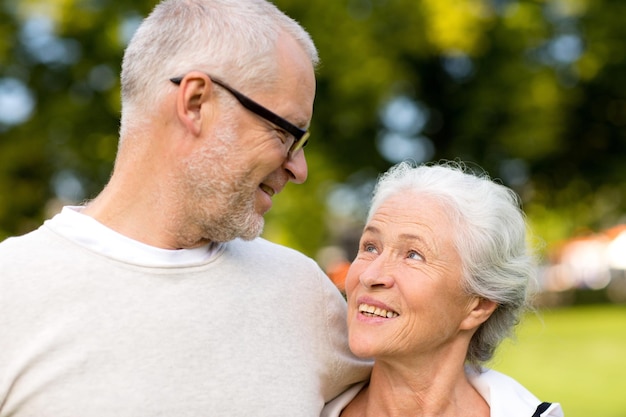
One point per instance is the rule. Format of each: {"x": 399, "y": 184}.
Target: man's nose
{"x": 296, "y": 167}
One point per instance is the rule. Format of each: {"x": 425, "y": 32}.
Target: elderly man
{"x": 158, "y": 298}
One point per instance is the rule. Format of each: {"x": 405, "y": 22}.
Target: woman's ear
{"x": 480, "y": 309}
{"x": 195, "y": 90}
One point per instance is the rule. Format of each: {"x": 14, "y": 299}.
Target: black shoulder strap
{"x": 541, "y": 408}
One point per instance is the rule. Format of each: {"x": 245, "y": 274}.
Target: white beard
{"x": 217, "y": 202}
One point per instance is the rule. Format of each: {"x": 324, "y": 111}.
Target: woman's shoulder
{"x": 506, "y": 396}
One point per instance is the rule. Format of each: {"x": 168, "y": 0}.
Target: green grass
{"x": 575, "y": 356}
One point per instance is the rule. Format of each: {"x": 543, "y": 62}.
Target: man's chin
{"x": 253, "y": 230}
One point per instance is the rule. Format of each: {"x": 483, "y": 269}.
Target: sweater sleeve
{"x": 347, "y": 369}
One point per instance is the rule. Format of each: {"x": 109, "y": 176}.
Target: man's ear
{"x": 194, "y": 92}
{"x": 480, "y": 309}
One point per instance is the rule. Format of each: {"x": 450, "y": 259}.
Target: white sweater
{"x": 255, "y": 330}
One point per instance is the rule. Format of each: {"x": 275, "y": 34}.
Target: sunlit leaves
{"x": 533, "y": 91}
{"x": 457, "y": 25}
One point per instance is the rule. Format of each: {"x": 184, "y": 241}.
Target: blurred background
{"x": 533, "y": 92}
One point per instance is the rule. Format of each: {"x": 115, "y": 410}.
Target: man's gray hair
{"x": 490, "y": 237}
{"x": 231, "y": 39}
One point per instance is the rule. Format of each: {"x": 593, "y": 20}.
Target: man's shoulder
{"x": 267, "y": 248}
{"x": 28, "y": 254}
{"x": 16, "y": 243}
{"x": 263, "y": 254}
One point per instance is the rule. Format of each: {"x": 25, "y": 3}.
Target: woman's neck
{"x": 399, "y": 392}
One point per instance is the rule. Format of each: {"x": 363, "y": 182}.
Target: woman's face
{"x": 404, "y": 286}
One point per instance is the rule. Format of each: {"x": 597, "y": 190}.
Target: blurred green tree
{"x": 532, "y": 91}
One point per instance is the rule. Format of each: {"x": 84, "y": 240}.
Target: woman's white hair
{"x": 234, "y": 40}
{"x": 490, "y": 237}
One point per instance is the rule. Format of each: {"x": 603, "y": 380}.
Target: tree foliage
{"x": 534, "y": 92}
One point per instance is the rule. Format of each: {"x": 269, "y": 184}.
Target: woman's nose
{"x": 379, "y": 274}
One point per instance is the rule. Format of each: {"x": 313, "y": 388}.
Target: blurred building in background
{"x": 593, "y": 264}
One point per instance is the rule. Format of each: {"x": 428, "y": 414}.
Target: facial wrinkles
{"x": 297, "y": 81}
{"x": 427, "y": 227}
{"x": 439, "y": 274}
{"x": 398, "y": 227}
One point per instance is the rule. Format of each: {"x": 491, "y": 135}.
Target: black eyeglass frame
{"x": 301, "y": 136}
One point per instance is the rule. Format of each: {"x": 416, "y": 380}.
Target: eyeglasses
{"x": 301, "y": 136}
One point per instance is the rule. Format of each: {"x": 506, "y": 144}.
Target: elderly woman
{"x": 440, "y": 279}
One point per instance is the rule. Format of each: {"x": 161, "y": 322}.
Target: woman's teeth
{"x": 371, "y": 311}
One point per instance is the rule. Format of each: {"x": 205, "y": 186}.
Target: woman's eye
{"x": 369, "y": 248}
{"x": 415, "y": 255}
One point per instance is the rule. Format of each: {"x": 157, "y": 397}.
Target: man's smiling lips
{"x": 267, "y": 189}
